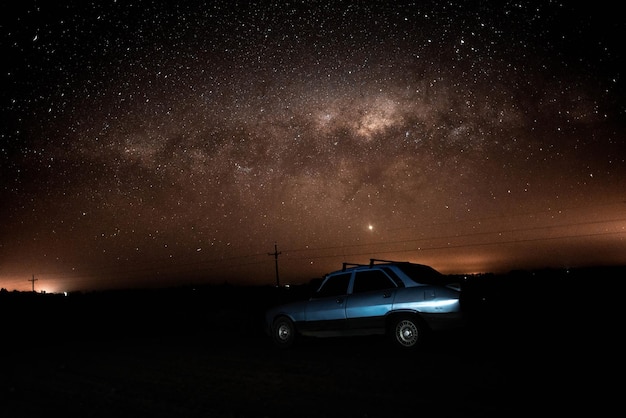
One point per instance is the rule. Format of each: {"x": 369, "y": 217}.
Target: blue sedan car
{"x": 401, "y": 299}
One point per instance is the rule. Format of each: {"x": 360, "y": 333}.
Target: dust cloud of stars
{"x": 153, "y": 143}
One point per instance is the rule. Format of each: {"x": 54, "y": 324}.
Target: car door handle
{"x": 339, "y": 301}
{"x": 386, "y": 295}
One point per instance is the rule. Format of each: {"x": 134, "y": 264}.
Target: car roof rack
{"x": 377, "y": 260}
{"x": 372, "y": 262}
{"x": 345, "y": 265}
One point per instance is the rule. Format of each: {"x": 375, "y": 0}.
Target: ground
{"x": 203, "y": 353}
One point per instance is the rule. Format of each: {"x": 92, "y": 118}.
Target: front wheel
{"x": 407, "y": 332}
{"x": 283, "y": 332}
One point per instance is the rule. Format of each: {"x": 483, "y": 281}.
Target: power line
{"x": 536, "y": 228}
{"x": 212, "y": 263}
{"x": 445, "y": 247}
{"x": 513, "y": 215}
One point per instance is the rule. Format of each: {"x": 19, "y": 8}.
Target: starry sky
{"x": 159, "y": 143}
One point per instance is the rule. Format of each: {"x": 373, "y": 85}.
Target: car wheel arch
{"x": 391, "y": 317}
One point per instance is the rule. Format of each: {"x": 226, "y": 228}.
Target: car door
{"x": 371, "y": 298}
{"x": 326, "y": 310}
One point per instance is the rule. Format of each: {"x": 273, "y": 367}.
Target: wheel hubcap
{"x": 283, "y": 332}
{"x": 407, "y": 333}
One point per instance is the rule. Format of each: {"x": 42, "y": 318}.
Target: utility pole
{"x": 33, "y": 280}
{"x": 276, "y": 254}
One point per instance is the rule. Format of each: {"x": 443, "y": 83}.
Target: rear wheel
{"x": 283, "y": 332}
{"x": 407, "y": 332}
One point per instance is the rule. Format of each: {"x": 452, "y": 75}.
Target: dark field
{"x": 537, "y": 343}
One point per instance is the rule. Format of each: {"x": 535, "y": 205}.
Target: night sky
{"x": 160, "y": 143}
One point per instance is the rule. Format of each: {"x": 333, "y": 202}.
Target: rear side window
{"x": 394, "y": 276}
{"x": 335, "y": 286}
{"x": 370, "y": 280}
{"x": 422, "y": 274}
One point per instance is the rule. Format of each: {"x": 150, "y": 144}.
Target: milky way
{"x": 152, "y": 144}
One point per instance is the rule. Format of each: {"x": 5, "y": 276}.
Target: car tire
{"x": 407, "y": 332}
{"x": 283, "y": 332}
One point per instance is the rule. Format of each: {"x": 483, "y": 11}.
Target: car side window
{"x": 367, "y": 281}
{"x": 335, "y": 286}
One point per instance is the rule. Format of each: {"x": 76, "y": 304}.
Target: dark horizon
{"x": 607, "y": 272}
